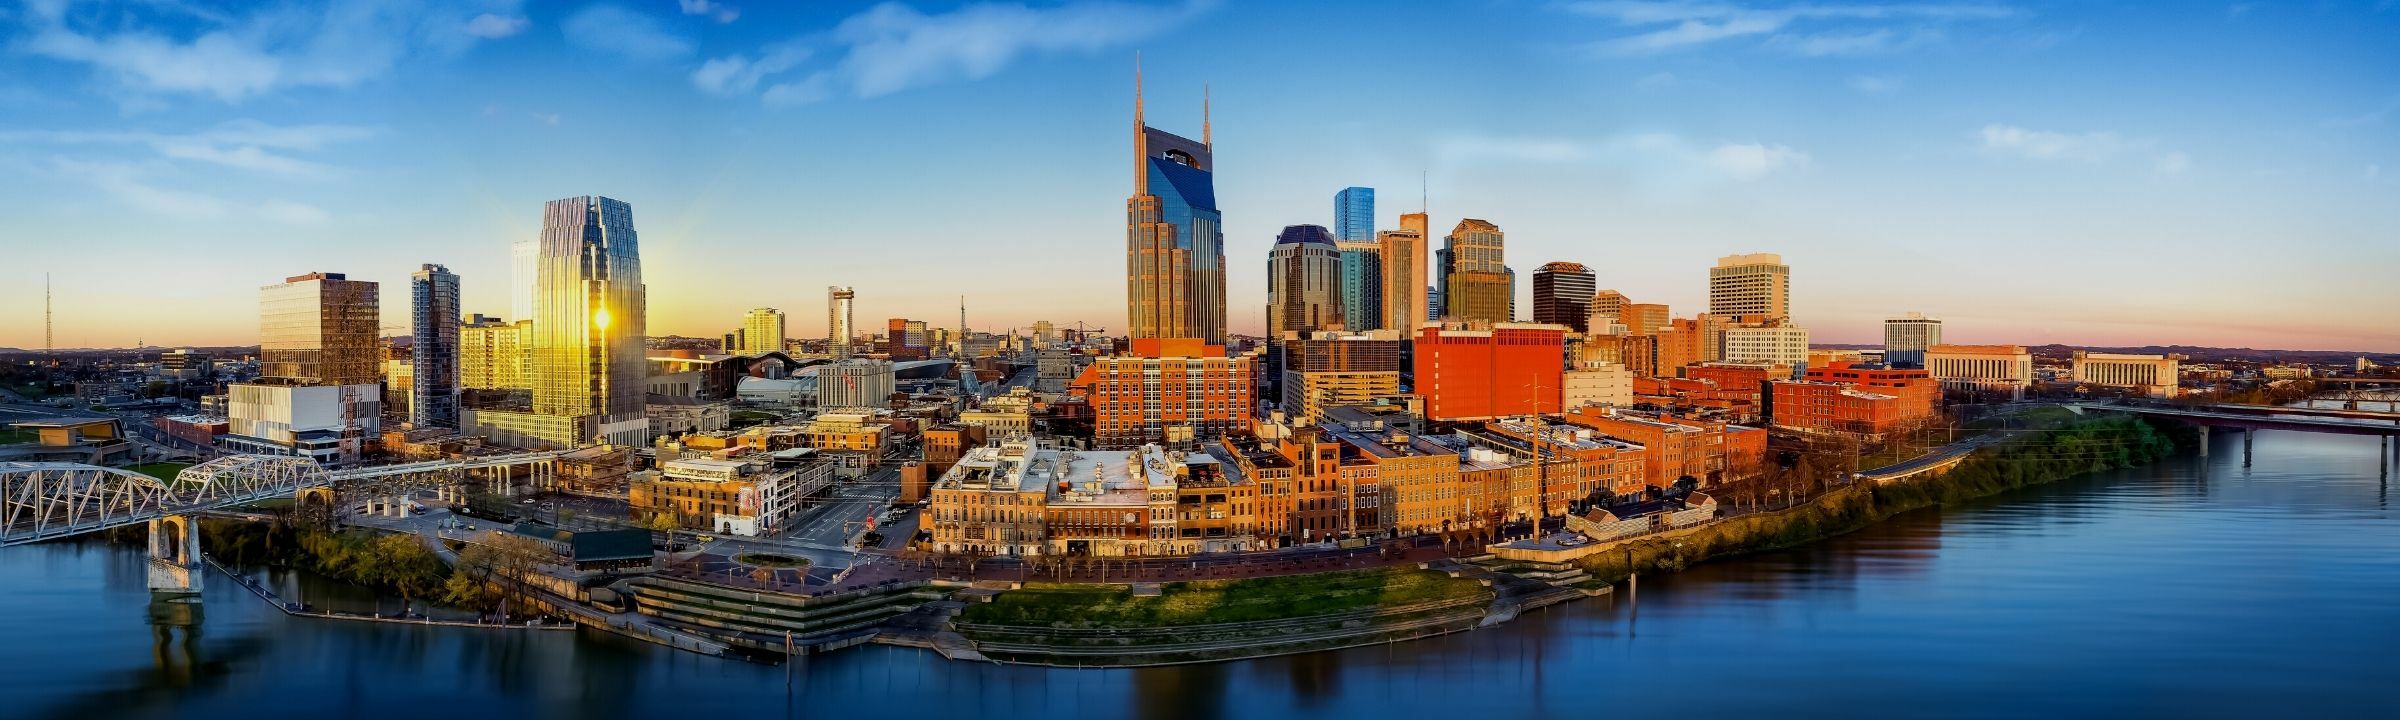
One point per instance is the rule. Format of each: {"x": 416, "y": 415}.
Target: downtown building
{"x": 433, "y": 348}
{"x": 1304, "y": 282}
{"x": 1906, "y": 337}
{"x": 2157, "y": 376}
{"x": 320, "y": 385}
{"x": 1176, "y": 392}
{"x": 1476, "y": 284}
{"x": 1019, "y": 499}
{"x": 1473, "y": 371}
{"x": 1757, "y": 284}
{"x": 1325, "y": 370}
{"x": 1406, "y": 282}
{"x": 1863, "y": 402}
{"x": 1562, "y": 295}
{"x": 2003, "y": 370}
{"x": 841, "y": 328}
{"x": 1174, "y": 236}
{"x": 762, "y": 332}
{"x": 587, "y": 367}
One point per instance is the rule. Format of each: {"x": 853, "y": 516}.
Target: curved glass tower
{"x": 1174, "y": 241}
{"x": 588, "y": 361}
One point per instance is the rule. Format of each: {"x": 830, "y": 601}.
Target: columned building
{"x": 433, "y": 348}
{"x": 2153, "y": 375}
{"x": 2005, "y": 369}
{"x": 1477, "y": 277}
{"x": 1174, "y": 239}
{"x": 1755, "y": 284}
{"x": 1562, "y": 295}
{"x": 1906, "y": 337}
{"x": 1304, "y": 278}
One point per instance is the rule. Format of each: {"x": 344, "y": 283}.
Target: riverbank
{"x": 1109, "y": 626}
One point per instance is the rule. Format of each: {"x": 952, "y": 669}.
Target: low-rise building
{"x": 1996, "y": 369}
{"x": 1867, "y": 402}
{"x": 744, "y": 496}
{"x": 2151, "y": 375}
{"x": 1023, "y": 500}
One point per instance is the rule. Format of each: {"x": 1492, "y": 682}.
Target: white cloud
{"x": 490, "y": 26}
{"x": 1660, "y": 26}
{"x": 2080, "y": 147}
{"x": 1751, "y": 161}
{"x": 892, "y": 47}
{"x": 1875, "y": 85}
{"x": 720, "y": 12}
{"x": 613, "y": 29}
{"x": 1465, "y": 149}
{"x": 166, "y": 49}
{"x": 242, "y": 144}
{"x": 129, "y": 186}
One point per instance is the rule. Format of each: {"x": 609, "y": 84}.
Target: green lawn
{"x": 162, "y": 471}
{"x": 1220, "y": 601}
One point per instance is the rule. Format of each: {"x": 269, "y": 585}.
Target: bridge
{"x": 47, "y": 501}
{"x": 2252, "y": 418}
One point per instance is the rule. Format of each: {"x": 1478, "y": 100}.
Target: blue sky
{"x": 2099, "y": 173}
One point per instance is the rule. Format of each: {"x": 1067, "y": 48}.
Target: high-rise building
{"x": 587, "y": 368}
{"x": 1755, "y": 284}
{"x": 1170, "y": 391}
{"x": 1304, "y": 279}
{"x": 1174, "y": 236}
{"x": 492, "y": 354}
{"x": 839, "y": 330}
{"x": 1404, "y": 274}
{"x": 523, "y": 274}
{"x": 1325, "y": 370}
{"x": 1562, "y": 295}
{"x": 1643, "y": 318}
{"x": 1906, "y": 337}
{"x": 1478, "y": 286}
{"x": 433, "y": 348}
{"x": 1771, "y": 344}
{"x": 320, "y": 329}
{"x": 1362, "y": 284}
{"x": 1354, "y": 215}
{"x": 762, "y": 332}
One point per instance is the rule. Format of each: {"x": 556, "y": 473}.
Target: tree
{"x": 403, "y": 564}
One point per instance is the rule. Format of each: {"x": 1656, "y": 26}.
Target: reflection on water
{"x": 2182, "y": 589}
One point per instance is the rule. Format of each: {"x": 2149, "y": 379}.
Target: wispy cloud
{"x": 128, "y": 185}
{"x": 893, "y": 47}
{"x": 617, "y": 30}
{"x": 2089, "y": 147}
{"x": 1664, "y": 158}
{"x": 717, "y": 11}
{"x": 162, "y": 48}
{"x": 244, "y": 144}
{"x": 1658, "y": 26}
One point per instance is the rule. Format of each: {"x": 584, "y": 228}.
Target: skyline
{"x": 1900, "y": 157}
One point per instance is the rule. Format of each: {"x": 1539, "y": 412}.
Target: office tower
{"x": 762, "y": 331}
{"x": 1906, "y": 337}
{"x": 1643, "y": 318}
{"x": 1441, "y": 282}
{"x": 433, "y": 348}
{"x": 1362, "y": 284}
{"x": 1755, "y": 284}
{"x": 523, "y": 273}
{"x": 492, "y": 354}
{"x": 1175, "y": 243}
{"x": 1405, "y": 274}
{"x": 1304, "y": 277}
{"x": 1562, "y": 295}
{"x": 587, "y": 362}
{"x": 1354, "y": 215}
{"x": 838, "y": 329}
{"x": 320, "y": 329}
{"x": 1479, "y": 286}
{"x": 1512, "y": 291}
{"x": 1169, "y": 391}
{"x": 1768, "y": 344}
{"x": 1607, "y": 302}
{"x": 1324, "y": 370}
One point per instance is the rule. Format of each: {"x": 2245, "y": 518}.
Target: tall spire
{"x": 1141, "y": 140}
{"x": 1204, "y": 134}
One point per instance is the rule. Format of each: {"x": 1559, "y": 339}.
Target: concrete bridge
{"x": 2250, "y": 419}
{"x": 47, "y": 501}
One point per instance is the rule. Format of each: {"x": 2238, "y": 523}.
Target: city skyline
{"x": 1878, "y": 153}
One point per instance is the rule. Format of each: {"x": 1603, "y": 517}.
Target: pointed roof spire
{"x": 1204, "y": 134}
{"x": 1141, "y": 144}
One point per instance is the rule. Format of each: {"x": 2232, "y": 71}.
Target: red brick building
{"x": 1170, "y": 391}
{"x": 1847, "y": 398}
{"x": 1674, "y": 447}
{"x": 1507, "y": 369}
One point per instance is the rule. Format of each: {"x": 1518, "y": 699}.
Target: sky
{"x": 2096, "y": 173}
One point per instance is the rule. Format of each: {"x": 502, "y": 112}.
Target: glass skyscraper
{"x": 588, "y": 364}
{"x": 1354, "y": 214}
{"x": 320, "y": 329}
{"x": 1174, "y": 237}
{"x": 433, "y": 348}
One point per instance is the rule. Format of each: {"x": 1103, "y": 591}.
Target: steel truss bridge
{"x": 45, "y": 501}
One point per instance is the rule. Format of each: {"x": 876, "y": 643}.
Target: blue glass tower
{"x": 1175, "y": 242}
{"x": 1354, "y": 215}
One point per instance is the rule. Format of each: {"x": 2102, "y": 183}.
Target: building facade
{"x": 1329, "y": 370}
{"x": 1906, "y": 337}
{"x": 1469, "y": 372}
{"x": 2152, "y": 375}
{"x": 1754, "y": 284}
{"x": 1608, "y": 384}
{"x": 1169, "y": 391}
{"x": 1476, "y": 275}
{"x": 433, "y": 348}
{"x": 1772, "y": 345}
{"x": 492, "y": 354}
{"x": 762, "y": 332}
{"x": 2002, "y": 369}
{"x": 856, "y": 383}
{"x": 1402, "y": 254}
{"x": 840, "y": 321}
{"x": 1562, "y": 295}
{"x": 1304, "y": 282}
{"x": 587, "y": 364}
{"x": 320, "y": 329}
{"x": 1174, "y": 236}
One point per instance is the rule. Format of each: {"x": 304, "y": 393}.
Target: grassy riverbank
{"x": 1202, "y": 602}
{"x": 2049, "y": 454}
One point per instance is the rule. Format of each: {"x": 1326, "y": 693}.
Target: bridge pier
{"x": 2204, "y": 440}
{"x": 175, "y": 556}
{"x": 2247, "y": 433}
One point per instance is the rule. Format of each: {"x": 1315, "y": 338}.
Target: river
{"x": 2181, "y": 589}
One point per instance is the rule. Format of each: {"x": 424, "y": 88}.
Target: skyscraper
{"x": 1478, "y": 287}
{"x": 839, "y": 329}
{"x": 1562, "y": 295}
{"x": 762, "y": 331}
{"x": 1906, "y": 337}
{"x": 1174, "y": 242}
{"x": 1404, "y": 293}
{"x": 1354, "y": 215}
{"x": 1304, "y": 276}
{"x": 1362, "y": 284}
{"x": 1754, "y": 284}
{"x": 433, "y": 348}
{"x": 320, "y": 329}
{"x": 587, "y": 363}
{"x": 523, "y": 275}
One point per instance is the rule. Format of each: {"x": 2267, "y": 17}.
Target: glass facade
{"x": 1477, "y": 283}
{"x": 762, "y": 332}
{"x": 840, "y": 330}
{"x": 433, "y": 348}
{"x": 1175, "y": 242}
{"x": 587, "y": 354}
{"x": 320, "y": 329}
{"x": 1354, "y": 214}
{"x": 1362, "y": 285}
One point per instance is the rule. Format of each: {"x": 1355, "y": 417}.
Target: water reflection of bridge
{"x": 46, "y": 501}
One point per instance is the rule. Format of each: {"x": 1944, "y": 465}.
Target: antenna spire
{"x": 1141, "y": 146}
{"x": 1204, "y": 134}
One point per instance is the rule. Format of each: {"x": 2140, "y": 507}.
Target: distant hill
{"x": 2197, "y": 353}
